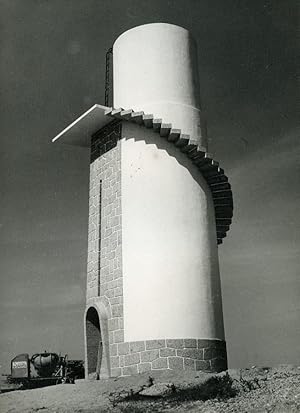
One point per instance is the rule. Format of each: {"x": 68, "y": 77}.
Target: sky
{"x": 52, "y": 69}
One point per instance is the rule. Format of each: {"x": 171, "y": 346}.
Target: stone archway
{"x": 97, "y": 363}
{"x": 94, "y": 346}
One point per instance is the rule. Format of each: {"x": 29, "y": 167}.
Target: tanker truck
{"x": 44, "y": 369}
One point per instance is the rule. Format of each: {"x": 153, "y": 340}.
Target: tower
{"x": 159, "y": 205}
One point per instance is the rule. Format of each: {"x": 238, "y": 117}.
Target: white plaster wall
{"x": 155, "y": 70}
{"x": 170, "y": 261}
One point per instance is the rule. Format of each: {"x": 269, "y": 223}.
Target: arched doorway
{"x": 94, "y": 345}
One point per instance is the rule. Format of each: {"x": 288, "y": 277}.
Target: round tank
{"x": 155, "y": 70}
{"x": 45, "y": 363}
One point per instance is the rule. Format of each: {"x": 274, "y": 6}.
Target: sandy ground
{"x": 258, "y": 390}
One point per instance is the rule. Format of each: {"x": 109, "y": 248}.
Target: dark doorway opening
{"x": 93, "y": 342}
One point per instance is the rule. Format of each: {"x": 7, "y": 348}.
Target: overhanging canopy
{"x": 80, "y": 131}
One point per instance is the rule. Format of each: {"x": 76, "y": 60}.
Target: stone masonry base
{"x": 131, "y": 358}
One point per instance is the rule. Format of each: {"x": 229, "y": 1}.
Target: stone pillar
{"x": 104, "y": 267}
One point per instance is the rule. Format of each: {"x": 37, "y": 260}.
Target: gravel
{"x": 258, "y": 390}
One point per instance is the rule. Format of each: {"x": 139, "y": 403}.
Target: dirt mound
{"x": 253, "y": 390}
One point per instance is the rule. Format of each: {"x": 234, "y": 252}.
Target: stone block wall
{"x": 177, "y": 354}
{"x": 104, "y": 267}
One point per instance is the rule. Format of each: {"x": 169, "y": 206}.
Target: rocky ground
{"x": 255, "y": 390}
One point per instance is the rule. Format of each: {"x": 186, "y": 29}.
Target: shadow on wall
{"x": 131, "y": 131}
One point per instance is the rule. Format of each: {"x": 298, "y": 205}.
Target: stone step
{"x": 209, "y": 167}
{"x": 183, "y": 140}
{"x": 223, "y": 228}
{"x": 197, "y": 152}
{"x": 223, "y": 201}
{"x": 213, "y": 172}
{"x": 126, "y": 114}
{"x": 137, "y": 117}
{"x": 196, "y": 156}
{"x": 192, "y": 145}
{"x": 217, "y": 179}
{"x": 221, "y": 234}
{"x": 157, "y": 124}
{"x": 223, "y": 221}
{"x": 174, "y": 135}
{"x": 221, "y": 194}
{"x": 220, "y": 186}
{"x": 148, "y": 120}
{"x": 165, "y": 129}
{"x": 116, "y": 113}
{"x": 207, "y": 158}
{"x": 223, "y": 212}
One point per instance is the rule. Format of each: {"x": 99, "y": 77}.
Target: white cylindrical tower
{"x": 158, "y": 207}
{"x": 155, "y": 70}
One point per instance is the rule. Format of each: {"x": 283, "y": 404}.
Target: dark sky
{"x": 52, "y": 70}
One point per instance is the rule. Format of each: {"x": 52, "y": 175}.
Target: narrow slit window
{"x": 99, "y": 235}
